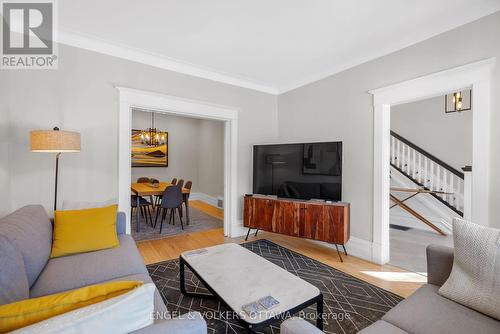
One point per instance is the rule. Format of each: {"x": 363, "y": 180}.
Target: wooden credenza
{"x": 315, "y": 220}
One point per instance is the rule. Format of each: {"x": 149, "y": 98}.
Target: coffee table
{"x": 237, "y": 277}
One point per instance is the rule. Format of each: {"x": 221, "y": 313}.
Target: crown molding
{"x": 116, "y": 50}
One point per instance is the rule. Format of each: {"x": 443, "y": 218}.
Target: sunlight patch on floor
{"x": 398, "y": 276}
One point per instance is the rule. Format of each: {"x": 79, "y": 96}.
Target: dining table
{"x": 148, "y": 189}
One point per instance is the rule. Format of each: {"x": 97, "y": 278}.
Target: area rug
{"x": 350, "y": 304}
{"x": 199, "y": 221}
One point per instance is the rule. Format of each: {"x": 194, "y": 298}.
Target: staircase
{"x": 429, "y": 172}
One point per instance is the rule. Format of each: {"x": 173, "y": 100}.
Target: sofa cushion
{"x": 74, "y": 271}
{"x": 31, "y": 231}
{"x": 382, "y": 327}
{"x": 121, "y": 314}
{"x": 85, "y": 230}
{"x": 13, "y": 279}
{"x": 475, "y": 277}
{"x": 160, "y": 308}
{"x": 426, "y": 312}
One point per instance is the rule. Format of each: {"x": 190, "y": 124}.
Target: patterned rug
{"x": 350, "y": 304}
{"x": 199, "y": 221}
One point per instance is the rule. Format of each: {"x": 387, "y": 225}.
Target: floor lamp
{"x": 55, "y": 141}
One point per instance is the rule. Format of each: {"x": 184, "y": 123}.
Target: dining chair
{"x": 172, "y": 199}
{"x": 185, "y": 199}
{"x": 174, "y": 181}
{"x": 180, "y": 183}
{"x": 144, "y": 179}
{"x": 144, "y": 207}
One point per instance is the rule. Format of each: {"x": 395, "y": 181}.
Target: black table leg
{"x": 182, "y": 269}
{"x": 186, "y": 203}
{"x": 319, "y": 311}
{"x": 137, "y": 221}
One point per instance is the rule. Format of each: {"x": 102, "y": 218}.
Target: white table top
{"x": 240, "y": 277}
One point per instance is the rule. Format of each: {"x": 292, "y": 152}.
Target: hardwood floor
{"x": 208, "y": 209}
{"x": 388, "y": 277}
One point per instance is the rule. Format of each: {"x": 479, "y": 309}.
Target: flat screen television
{"x": 301, "y": 171}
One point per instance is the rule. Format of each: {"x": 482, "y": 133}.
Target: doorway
{"x": 475, "y": 76}
{"x": 170, "y": 149}
{"x": 131, "y": 99}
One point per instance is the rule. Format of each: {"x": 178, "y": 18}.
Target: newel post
{"x": 467, "y": 192}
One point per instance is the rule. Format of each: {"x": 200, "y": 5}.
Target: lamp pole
{"x": 57, "y": 172}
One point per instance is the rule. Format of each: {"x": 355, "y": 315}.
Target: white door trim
{"x": 132, "y": 98}
{"x": 475, "y": 75}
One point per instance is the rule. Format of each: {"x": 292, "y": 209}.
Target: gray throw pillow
{"x": 475, "y": 278}
{"x": 13, "y": 279}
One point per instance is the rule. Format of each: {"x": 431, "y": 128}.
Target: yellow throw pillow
{"x": 78, "y": 231}
{"x": 27, "y": 312}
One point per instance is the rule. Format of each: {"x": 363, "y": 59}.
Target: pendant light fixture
{"x": 152, "y": 136}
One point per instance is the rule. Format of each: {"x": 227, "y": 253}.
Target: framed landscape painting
{"x": 148, "y": 156}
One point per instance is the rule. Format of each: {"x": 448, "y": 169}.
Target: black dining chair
{"x": 174, "y": 181}
{"x": 180, "y": 184}
{"x": 185, "y": 199}
{"x": 144, "y": 208}
{"x": 172, "y": 199}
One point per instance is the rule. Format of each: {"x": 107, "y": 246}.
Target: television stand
{"x": 316, "y": 220}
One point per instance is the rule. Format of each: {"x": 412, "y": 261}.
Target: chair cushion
{"x": 31, "y": 231}
{"x": 426, "y": 312}
{"x": 13, "y": 279}
{"x": 74, "y": 271}
{"x": 382, "y": 327}
{"x": 86, "y": 230}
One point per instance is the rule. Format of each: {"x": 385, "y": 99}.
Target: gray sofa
{"x": 26, "y": 239}
{"x": 425, "y": 311}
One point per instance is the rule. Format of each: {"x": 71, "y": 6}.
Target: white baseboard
{"x": 355, "y": 246}
{"x": 196, "y": 196}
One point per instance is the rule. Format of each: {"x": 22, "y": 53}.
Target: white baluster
{"x": 438, "y": 178}
{"x": 393, "y": 151}
{"x": 426, "y": 173}
{"x": 452, "y": 190}
{"x": 431, "y": 175}
{"x": 398, "y": 145}
{"x": 408, "y": 159}
{"x": 414, "y": 163}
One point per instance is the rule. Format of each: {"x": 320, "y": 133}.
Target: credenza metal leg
{"x": 338, "y": 252}
{"x": 343, "y": 246}
{"x": 256, "y": 231}
{"x": 248, "y": 233}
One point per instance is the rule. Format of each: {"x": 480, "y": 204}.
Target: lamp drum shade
{"x": 54, "y": 141}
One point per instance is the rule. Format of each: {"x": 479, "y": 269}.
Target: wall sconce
{"x": 458, "y": 101}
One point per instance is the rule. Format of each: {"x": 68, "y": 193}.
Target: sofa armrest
{"x": 189, "y": 323}
{"x": 439, "y": 264}
{"x": 121, "y": 222}
{"x": 297, "y": 325}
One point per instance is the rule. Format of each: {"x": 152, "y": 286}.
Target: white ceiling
{"x": 268, "y": 45}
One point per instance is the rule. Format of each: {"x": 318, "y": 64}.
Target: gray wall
{"x": 339, "y": 108}
{"x": 211, "y": 158}
{"x": 80, "y": 96}
{"x": 4, "y": 149}
{"x": 195, "y": 151}
{"x": 446, "y": 136}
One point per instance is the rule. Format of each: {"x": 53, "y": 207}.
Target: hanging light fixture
{"x": 152, "y": 136}
{"x": 458, "y": 101}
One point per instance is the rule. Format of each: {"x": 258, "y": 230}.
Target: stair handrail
{"x": 428, "y": 155}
